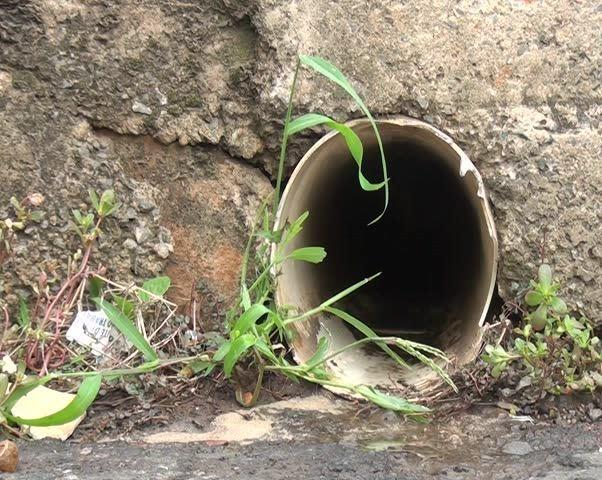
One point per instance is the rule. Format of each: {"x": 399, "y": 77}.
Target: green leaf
{"x": 23, "y": 389}
{"x": 390, "y": 402}
{"x": 319, "y": 354}
{"x": 354, "y": 144}
{"x": 306, "y": 121}
{"x": 294, "y": 228}
{"x": 545, "y": 275}
{"x": 95, "y": 286}
{"x": 15, "y": 203}
{"x": 498, "y": 369}
{"x": 199, "y": 365}
{"x": 245, "y": 297}
{"x": 308, "y": 254}
{"x": 222, "y": 351}
{"x": 325, "y": 68}
{"x": 94, "y": 199}
{"x": 157, "y": 286}
{"x": 414, "y": 348}
{"x": 123, "y": 304}
{"x": 266, "y": 351}
{"x": 367, "y": 332}
{"x": 37, "y": 215}
{"x": 127, "y": 328}
{"x": 558, "y": 305}
{"x": 3, "y": 386}
{"x": 86, "y": 394}
{"x": 539, "y": 318}
{"x": 24, "y": 319}
{"x": 77, "y": 215}
{"x": 533, "y": 298}
{"x": 239, "y": 346}
{"x": 249, "y": 318}
{"x": 107, "y": 203}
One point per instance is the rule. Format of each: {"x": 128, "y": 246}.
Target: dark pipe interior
{"x": 427, "y": 245}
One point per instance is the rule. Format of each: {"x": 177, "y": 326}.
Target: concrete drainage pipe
{"x": 436, "y": 247}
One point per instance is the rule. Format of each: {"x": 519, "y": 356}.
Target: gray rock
{"x": 595, "y": 414}
{"x": 163, "y": 249}
{"x": 517, "y": 447}
{"x": 143, "y": 234}
{"x": 139, "y": 107}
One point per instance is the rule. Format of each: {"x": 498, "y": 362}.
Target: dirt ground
{"x": 310, "y": 433}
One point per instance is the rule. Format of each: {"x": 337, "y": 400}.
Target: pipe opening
{"x": 435, "y": 247}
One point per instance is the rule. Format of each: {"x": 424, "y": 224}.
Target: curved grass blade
{"x": 429, "y": 362}
{"x": 367, "y": 332}
{"x": 249, "y": 318}
{"x": 308, "y": 254}
{"x": 24, "y": 389}
{"x": 332, "y": 300}
{"x": 390, "y": 402}
{"x": 354, "y": 144}
{"x": 23, "y": 319}
{"x": 129, "y": 330}
{"x": 86, "y": 394}
{"x": 222, "y": 351}
{"x": 238, "y": 347}
{"x": 327, "y": 69}
{"x": 319, "y": 354}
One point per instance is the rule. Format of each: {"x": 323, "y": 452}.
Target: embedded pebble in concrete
{"x": 517, "y": 448}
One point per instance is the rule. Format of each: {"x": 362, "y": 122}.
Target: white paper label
{"x": 91, "y": 329}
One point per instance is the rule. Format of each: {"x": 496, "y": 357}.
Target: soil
{"x": 320, "y": 436}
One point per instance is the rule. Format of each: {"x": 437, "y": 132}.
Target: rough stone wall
{"x": 178, "y": 106}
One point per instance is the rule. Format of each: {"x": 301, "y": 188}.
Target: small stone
{"x": 595, "y": 414}
{"x": 85, "y": 451}
{"x": 9, "y": 456}
{"x": 162, "y": 97}
{"x": 142, "y": 234}
{"x": 517, "y": 448}
{"x": 163, "y": 249}
{"x": 130, "y": 244}
{"x": 422, "y": 102}
{"x": 146, "y": 205}
{"x": 139, "y": 107}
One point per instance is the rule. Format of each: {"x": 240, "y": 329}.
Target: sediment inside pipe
{"x": 435, "y": 246}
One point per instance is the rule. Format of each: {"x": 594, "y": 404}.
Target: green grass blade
{"x": 354, "y": 144}
{"x": 24, "y": 389}
{"x": 308, "y": 254}
{"x": 222, "y": 351}
{"x": 331, "y": 300}
{"x": 429, "y": 362}
{"x": 390, "y": 402}
{"x": 325, "y": 68}
{"x": 367, "y": 332}
{"x": 86, "y": 394}
{"x": 127, "y": 328}
{"x": 24, "y": 320}
{"x": 245, "y": 296}
{"x": 266, "y": 350}
{"x": 123, "y": 304}
{"x": 249, "y": 318}
{"x": 283, "y": 144}
{"x": 319, "y": 354}
{"x": 238, "y": 347}
{"x": 294, "y": 229}
{"x": 306, "y": 121}
{"x": 95, "y": 286}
